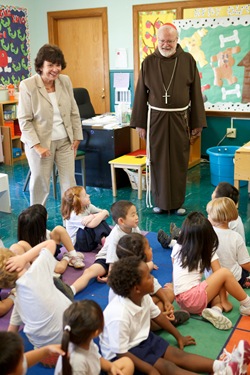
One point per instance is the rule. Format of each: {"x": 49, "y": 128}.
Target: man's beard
{"x": 167, "y": 53}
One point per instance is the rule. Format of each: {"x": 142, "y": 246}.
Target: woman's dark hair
{"x": 80, "y": 320}
{"x": 11, "y": 349}
{"x": 50, "y": 53}
{"x": 31, "y": 226}
{"x": 198, "y": 242}
{"x": 124, "y": 275}
{"x": 224, "y": 189}
{"x": 131, "y": 245}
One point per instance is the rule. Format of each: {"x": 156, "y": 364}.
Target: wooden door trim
{"x": 54, "y": 17}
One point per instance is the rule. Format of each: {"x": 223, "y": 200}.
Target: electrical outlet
{"x": 231, "y": 133}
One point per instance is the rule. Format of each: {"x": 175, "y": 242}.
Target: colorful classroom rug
{"x": 209, "y": 340}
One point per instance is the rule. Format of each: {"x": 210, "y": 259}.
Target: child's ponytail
{"x": 66, "y": 367}
{"x": 71, "y": 201}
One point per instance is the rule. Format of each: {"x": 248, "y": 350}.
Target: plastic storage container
{"x": 10, "y": 123}
{"x": 16, "y": 152}
{"x": 222, "y": 164}
{"x": 8, "y": 115}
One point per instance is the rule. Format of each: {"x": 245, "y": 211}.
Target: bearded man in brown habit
{"x": 169, "y": 112}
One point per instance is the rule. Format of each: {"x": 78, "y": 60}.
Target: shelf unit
{"x": 9, "y": 142}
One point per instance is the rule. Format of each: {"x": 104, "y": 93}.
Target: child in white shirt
{"x": 125, "y": 216}
{"x": 232, "y": 250}
{"x": 224, "y": 189}
{"x": 85, "y": 223}
{"x": 82, "y": 322}
{"x": 14, "y": 361}
{"x": 127, "y": 328}
{"x": 39, "y": 305}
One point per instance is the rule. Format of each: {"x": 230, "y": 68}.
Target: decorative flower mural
{"x": 149, "y": 23}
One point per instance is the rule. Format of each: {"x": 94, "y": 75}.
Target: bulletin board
{"x": 218, "y": 39}
{"x": 14, "y": 45}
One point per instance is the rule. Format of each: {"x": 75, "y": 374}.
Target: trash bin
{"x": 222, "y": 164}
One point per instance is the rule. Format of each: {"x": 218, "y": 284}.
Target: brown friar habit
{"x": 169, "y": 131}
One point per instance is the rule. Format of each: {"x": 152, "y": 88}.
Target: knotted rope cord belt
{"x": 148, "y": 161}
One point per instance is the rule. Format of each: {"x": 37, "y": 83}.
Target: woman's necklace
{"x": 166, "y": 96}
{"x": 50, "y": 88}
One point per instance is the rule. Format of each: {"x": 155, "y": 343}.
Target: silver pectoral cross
{"x": 166, "y": 96}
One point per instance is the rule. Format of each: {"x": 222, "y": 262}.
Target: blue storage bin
{"x": 222, "y": 164}
{"x": 16, "y": 151}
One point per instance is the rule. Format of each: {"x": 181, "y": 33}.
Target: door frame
{"x": 54, "y": 17}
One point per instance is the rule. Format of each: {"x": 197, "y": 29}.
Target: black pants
{"x": 88, "y": 239}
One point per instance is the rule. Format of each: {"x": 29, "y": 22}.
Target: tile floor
{"x": 198, "y": 193}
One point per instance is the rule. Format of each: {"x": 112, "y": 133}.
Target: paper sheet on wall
{"x": 121, "y": 58}
{"x": 121, "y": 80}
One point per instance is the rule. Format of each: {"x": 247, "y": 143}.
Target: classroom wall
{"x": 120, "y": 27}
{"x": 120, "y": 21}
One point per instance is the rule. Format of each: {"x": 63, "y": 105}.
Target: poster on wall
{"x": 221, "y": 48}
{"x": 14, "y": 46}
{"x": 149, "y": 23}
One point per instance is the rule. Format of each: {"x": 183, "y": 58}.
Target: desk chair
{"x": 83, "y": 102}
{"x": 80, "y": 155}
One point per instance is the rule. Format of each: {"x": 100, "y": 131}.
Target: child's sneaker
{"x": 64, "y": 288}
{"x": 174, "y": 231}
{"x": 164, "y": 239}
{"x": 181, "y": 316}
{"x": 231, "y": 368}
{"x": 217, "y": 319}
{"x": 246, "y": 284}
{"x": 245, "y": 310}
{"x": 237, "y": 361}
{"x": 75, "y": 261}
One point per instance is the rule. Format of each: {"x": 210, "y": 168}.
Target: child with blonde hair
{"x": 232, "y": 251}
{"x": 39, "y": 305}
{"x": 224, "y": 189}
{"x": 85, "y": 223}
{"x": 6, "y": 303}
{"x": 82, "y": 322}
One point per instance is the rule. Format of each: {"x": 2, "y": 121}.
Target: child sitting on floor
{"x": 127, "y": 329}
{"x": 39, "y": 305}
{"x": 85, "y": 223}
{"x": 82, "y": 322}
{"x": 136, "y": 244}
{"x": 224, "y": 189}
{"x": 125, "y": 216}
{"x": 32, "y": 229}
{"x": 6, "y": 303}
{"x": 194, "y": 252}
{"x": 232, "y": 251}
{"x": 13, "y": 360}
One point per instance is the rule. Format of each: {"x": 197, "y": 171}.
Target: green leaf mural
{"x": 14, "y": 45}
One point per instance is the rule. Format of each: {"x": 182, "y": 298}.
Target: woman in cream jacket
{"x": 50, "y": 123}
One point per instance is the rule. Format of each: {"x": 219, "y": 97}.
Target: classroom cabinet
{"x": 10, "y": 132}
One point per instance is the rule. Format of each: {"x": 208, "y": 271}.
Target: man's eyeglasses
{"x": 160, "y": 41}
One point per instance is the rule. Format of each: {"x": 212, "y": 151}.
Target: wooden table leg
{"x": 237, "y": 184}
{"x": 113, "y": 179}
{"x": 140, "y": 183}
